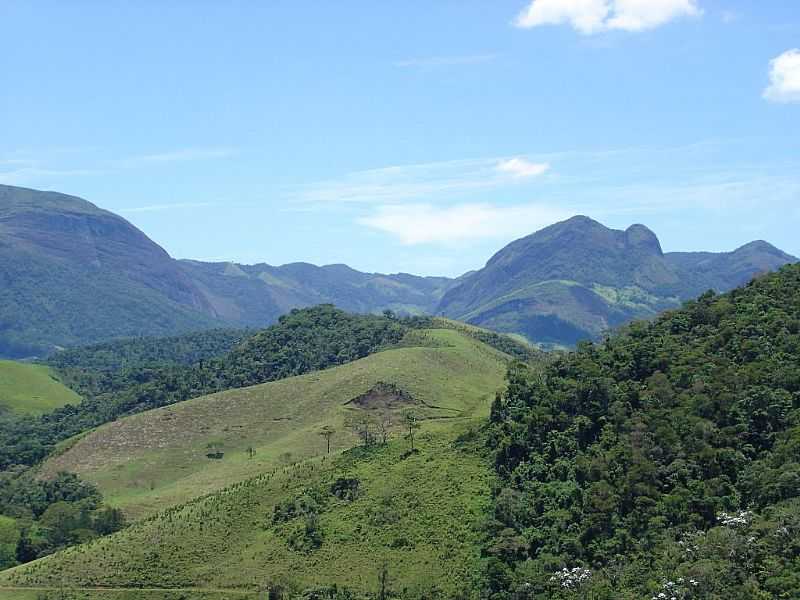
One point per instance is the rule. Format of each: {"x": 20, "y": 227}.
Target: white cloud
{"x": 446, "y": 61}
{"x": 522, "y": 167}
{"x": 594, "y": 16}
{"x": 587, "y": 16}
{"x": 784, "y": 78}
{"x": 425, "y": 224}
{"x": 421, "y": 181}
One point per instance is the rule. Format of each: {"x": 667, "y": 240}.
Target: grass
{"x": 205, "y": 529}
{"x": 32, "y": 389}
{"x": 420, "y": 513}
{"x": 157, "y": 459}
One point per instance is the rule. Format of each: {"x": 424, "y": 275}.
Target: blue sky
{"x": 416, "y": 136}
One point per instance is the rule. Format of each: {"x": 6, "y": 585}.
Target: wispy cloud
{"x": 522, "y": 167}
{"x": 182, "y": 155}
{"x": 22, "y": 172}
{"x": 784, "y": 78}
{"x": 595, "y": 16}
{"x": 164, "y": 207}
{"x": 446, "y": 61}
{"x": 418, "y": 181}
{"x": 425, "y": 224}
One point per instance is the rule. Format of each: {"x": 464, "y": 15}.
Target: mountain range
{"x": 72, "y": 273}
{"x": 575, "y": 279}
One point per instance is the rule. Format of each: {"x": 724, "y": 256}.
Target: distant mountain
{"x": 254, "y": 295}
{"x": 72, "y": 273}
{"x": 577, "y": 278}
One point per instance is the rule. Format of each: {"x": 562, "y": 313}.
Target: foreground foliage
{"x": 664, "y": 461}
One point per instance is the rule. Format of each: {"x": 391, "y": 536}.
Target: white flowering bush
{"x": 680, "y": 589}
{"x": 571, "y": 579}
{"x": 740, "y": 519}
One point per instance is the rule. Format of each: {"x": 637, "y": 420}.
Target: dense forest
{"x": 662, "y": 463}
{"x": 39, "y": 517}
{"x": 133, "y": 353}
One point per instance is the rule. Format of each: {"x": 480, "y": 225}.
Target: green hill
{"x": 31, "y": 389}
{"x": 290, "y": 513}
{"x": 158, "y": 458}
{"x": 421, "y": 514}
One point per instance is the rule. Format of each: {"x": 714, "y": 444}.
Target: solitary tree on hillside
{"x": 327, "y": 432}
{"x": 383, "y": 581}
{"x": 412, "y": 422}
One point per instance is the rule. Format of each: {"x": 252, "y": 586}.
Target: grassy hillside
{"x": 158, "y": 458}
{"x": 420, "y": 513}
{"x": 31, "y": 389}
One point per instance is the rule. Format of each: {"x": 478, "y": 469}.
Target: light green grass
{"x": 32, "y": 389}
{"x": 422, "y": 514}
{"x": 157, "y": 459}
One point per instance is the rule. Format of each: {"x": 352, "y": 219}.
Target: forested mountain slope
{"x": 664, "y": 461}
{"x": 72, "y": 273}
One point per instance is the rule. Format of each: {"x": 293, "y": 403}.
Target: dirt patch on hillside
{"x": 383, "y": 396}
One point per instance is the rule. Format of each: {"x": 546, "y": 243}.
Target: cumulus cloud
{"x": 784, "y": 78}
{"x": 522, "y": 167}
{"x": 594, "y": 16}
{"x": 425, "y": 224}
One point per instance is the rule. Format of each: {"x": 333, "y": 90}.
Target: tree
{"x": 412, "y": 423}
{"x": 327, "y": 432}
{"x": 108, "y": 520}
{"x": 383, "y": 581}
{"x": 384, "y": 424}
{"x": 362, "y": 426}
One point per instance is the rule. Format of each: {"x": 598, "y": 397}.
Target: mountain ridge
{"x": 74, "y": 273}
{"x": 575, "y": 279}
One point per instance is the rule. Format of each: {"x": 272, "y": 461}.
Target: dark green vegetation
{"x": 670, "y": 453}
{"x": 38, "y": 518}
{"x": 136, "y": 353}
{"x": 71, "y": 273}
{"x": 302, "y": 341}
{"x": 31, "y": 389}
{"x": 573, "y": 280}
